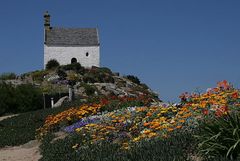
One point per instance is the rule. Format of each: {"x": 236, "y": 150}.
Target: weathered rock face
{"x": 87, "y": 82}
{"x": 121, "y": 87}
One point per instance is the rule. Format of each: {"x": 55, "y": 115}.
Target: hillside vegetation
{"x": 28, "y": 91}
{"x": 113, "y": 126}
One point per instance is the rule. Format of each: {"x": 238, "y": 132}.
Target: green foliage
{"x": 52, "y": 64}
{"x": 134, "y": 79}
{"x": 22, "y": 128}
{"x": 220, "y": 136}
{"x": 38, "y": 75}
{"x": 8, "y": 76}
{"x": 89, "y": 89}
{"x": 19, "y": 99}
{"x": 105, "y": 70}
{"x": 98, "y": 75}
{"x": 173, "y": 148}
{"x": 61, "y": 73}
{"x": 74, "y": 66}
{"x": 89, "y": 78}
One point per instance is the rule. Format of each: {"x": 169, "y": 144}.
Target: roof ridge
{"x": 58, "y": 36}
{"x": 74, "y": 28}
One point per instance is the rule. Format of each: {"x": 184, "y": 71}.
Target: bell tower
{"x": 47, "y": 21}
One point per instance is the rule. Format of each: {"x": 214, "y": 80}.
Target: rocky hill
{"x": 85, "y": 82}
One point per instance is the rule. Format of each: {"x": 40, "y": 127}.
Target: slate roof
{"x": 72, "y": 37}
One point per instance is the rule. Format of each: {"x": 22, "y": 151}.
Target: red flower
{"x": 221, "y": 111}
{"x": 104, "y": 101}
{"x": 205, "y": 112}
{"x": 224, "y": 84}
{"x": 235, "y": 95}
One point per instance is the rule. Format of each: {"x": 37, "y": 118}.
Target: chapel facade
{"x": 70, "y": 45}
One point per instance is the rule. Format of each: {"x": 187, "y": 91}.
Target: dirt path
{"x": 26, "y": 152}
{"x": 5, "y": 117}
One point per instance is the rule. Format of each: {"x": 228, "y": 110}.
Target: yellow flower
{"x": 75, "y": 146}
{"x": 78, "y": 130}
{"x": 152, "y": 134}
{"x": 136, "y": 139}
{"x": 146, "y": 131}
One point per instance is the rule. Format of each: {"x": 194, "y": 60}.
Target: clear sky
{"x": 172, "y": 45}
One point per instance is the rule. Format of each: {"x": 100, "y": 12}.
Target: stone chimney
{"x": 47, "y": 21}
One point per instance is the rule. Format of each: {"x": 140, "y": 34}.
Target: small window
{"x": 73, "y": 60}
{"x": 87, "y": 54}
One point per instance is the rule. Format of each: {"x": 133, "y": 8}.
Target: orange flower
{"x": 149, "y": 114}
{"x": 146, "y": 124}
{"x": 179, "y": 127}
{"x": 182, "y": 121}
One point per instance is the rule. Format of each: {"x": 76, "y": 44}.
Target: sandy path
{"x": 26, "y": 152}
{"x": 5, "y": 117}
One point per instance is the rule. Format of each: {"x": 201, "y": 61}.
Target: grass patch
{"x": 174, "y": 148}
{"x": 22, "y": 128}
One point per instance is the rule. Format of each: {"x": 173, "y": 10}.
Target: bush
{"x": 105, "y": 70}
{"x": 89, "y": 90}
{"x": 220, "y": 136}
{"x": 51, "y": 64}
{"x": 134, "y": 79}
{"x": 61, "y": 73}
{"x": 8, "y": 76}
{"x": 22, "y": 128}
{"x": 173, "y": 148}
{"x": 19, "y": 99}
{"x": 75, "y": 67}
{"x": 98, "y": 75}
{"x": 38, "y": 75}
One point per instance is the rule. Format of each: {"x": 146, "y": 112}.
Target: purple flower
{"x": 80, "y": 123}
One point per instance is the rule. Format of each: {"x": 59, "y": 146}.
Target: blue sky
{"x": 173, "y": 46}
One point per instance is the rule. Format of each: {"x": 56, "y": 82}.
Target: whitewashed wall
{"x": 64, "y": 55}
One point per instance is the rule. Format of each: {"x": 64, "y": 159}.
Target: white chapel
{"x": 69, "y": 45}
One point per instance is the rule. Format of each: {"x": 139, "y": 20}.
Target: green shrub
{"x": 105, "y": 70}
{"x": 61, "y": 73}
{"x": 19, "y": 99}
{"x": 174, "y": 148}
{"x": 51, "y": 64}
{"x": 22, "y": 128}
{"x": 75, "y": 67}
{"x": 38, "y": 75}
{"x": 8, "y": 76}
{"x": 134, "y": 79}
{"x": 89, "y": 78}
{"x": 220, "y": 136}
{"x": 97, "y": 75}
{"x": 89, "y": 89}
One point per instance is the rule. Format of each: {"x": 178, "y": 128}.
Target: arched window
{"x": 87, "y": 54}
{"x": 73, "y": 60}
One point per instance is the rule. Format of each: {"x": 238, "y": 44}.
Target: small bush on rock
{"x": 51, "y": 64}
{"x": 134, "y": 79}
{"x": 8, "y": 76}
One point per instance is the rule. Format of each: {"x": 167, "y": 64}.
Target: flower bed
{"x": 130, "y": 126}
